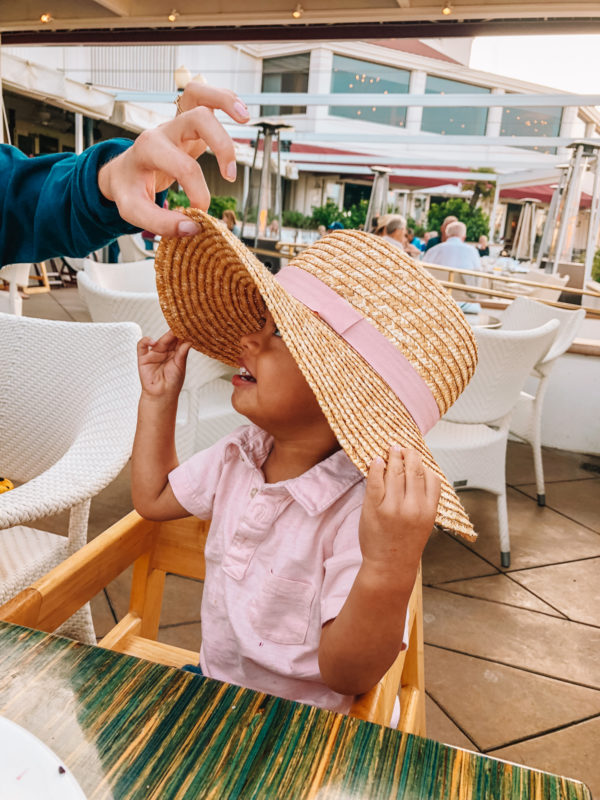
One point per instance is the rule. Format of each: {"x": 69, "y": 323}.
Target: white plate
{"x": 29, "y": 770}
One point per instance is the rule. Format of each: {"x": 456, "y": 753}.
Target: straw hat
{"x": 386, "y": 353}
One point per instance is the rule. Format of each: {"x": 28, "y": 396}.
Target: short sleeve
{"x": 341, "y": 567}
{"x": 195, "y": 482}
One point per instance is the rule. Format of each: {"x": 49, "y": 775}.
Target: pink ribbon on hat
{"x": 384, "y": 357}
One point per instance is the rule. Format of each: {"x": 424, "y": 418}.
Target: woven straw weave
{"x": 68, "y": 403}
{"x": 213, "y": 290}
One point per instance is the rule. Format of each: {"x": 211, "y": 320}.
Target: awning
{"x": 47, "y": 84}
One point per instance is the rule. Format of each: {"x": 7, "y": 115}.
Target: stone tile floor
{"x": 512, "y": 656}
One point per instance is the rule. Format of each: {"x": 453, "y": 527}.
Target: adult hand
{"x": 167, "y": 153}
{"x": 398, "y": 512}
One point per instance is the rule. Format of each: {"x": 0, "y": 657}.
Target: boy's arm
{"x": 162, "y": 370}
{"x": 362, "y": 642}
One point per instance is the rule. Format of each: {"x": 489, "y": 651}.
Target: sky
{"x": 570, "y": 63}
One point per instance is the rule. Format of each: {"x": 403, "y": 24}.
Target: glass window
{"x": 460, "y": 120}
{"x": 532, "y": 122}
{"x": 285, "y": 74}
{"x": 352, "y": 76}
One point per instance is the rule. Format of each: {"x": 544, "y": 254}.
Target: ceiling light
{"x": 173, "y": 15}
{"x": 447, "y": 9}
{"x": 46, "y": 18}
{"x": 297, "y": 12}
{"x": 182, "y": 77}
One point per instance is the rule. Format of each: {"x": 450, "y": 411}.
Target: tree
{"x": 479, "y": 188}
{"x": 478, "y": 223}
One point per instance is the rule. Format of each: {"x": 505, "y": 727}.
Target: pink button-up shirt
{"x": 280, "y": 561}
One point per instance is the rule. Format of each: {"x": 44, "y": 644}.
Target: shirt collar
{"x": 316, "y": 489}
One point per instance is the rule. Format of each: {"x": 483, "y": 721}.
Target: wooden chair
{"x": 177, "y": 547}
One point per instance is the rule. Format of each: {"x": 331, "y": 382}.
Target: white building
{"x": 332, "y": 146}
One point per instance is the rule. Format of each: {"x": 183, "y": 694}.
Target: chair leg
{"x": 536, "y": 441}
{"x": 503, "y": 530}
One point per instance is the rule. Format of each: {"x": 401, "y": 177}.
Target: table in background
{"x": 129, "y": 728}
{"x": 483, "y": 321}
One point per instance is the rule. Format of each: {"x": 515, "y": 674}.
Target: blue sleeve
{"x": 51, "y": 205}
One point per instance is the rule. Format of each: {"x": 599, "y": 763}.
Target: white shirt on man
{"x": 456, "y": 254}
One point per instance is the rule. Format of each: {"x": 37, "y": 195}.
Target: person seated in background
{"x": 483, "y": 247}
{"x": 455, "y": 253}
{"x": 274, "y": 228}
{"x": 65, "y": 204}
{"x": 321, "y": 230}
{"x": 435, "y": 240}
{"x": 392, "y": 228}
{"x": 230, "y": 220}
{"x": 415, "y": 240}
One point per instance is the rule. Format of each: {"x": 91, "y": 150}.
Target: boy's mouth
{"x": 246, "y": 375}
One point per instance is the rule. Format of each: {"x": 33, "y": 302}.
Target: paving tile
{"x": 446, "y": 559}
{"x": 188, "y": 636}
{"x": 577, "y": 500}
{"x": 441, "y": 728}
{"x": 559, "y": 465}
{"x": 516, "y": 637}
{"x": 504, "y": 704}
{"x": 118, "y": 592}
{"x": 573, "y": 588}
{"x": 45, "y": 306}
{"x": 181, "y": 600}
{"x": 101, "y": 615}
{"x": 538, "y": 536}
{"x": 501, "y": 589}
{"x": 572, "y": 752}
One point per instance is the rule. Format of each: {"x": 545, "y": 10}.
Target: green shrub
{"x": 411, "y": 223}
{"x": 325, "y": 215}
{"x": 478, "y": 223}
{"x": 596, "y": 267}
{"x": 218, "y": 204}
{"x": 295, "y": 219}
{"x": 177, "y": 199}
{"x": 355, "y": 216}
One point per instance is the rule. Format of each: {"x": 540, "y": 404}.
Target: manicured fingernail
{"x": 231, "y": 171}
{"x": 187, "y": 229}
{"x": 396, "y": 448}
{"x": 378, "y": 460}
{"x": 240, "y": 108}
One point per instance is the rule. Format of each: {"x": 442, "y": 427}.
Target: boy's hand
{"x": 161, "y": 365}
{"x": 398, "y": 512}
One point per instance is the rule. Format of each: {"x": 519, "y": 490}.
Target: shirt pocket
{"x": 281, "y": 610}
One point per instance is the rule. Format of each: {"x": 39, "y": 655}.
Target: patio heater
{"x": 378, "y": 201}
{"x": 269, "y": 191}
{"x": 559, "y": 232}
{"x": 524, "y": 240}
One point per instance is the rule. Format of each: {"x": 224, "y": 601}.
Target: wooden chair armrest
{"x": 53, "y": 598}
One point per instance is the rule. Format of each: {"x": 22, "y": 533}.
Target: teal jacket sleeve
{"x": 51, "y": 206}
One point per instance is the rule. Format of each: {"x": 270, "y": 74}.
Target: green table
{"x": 128, "y": 728}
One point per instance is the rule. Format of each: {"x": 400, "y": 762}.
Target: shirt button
{"x": 253, "y": 492}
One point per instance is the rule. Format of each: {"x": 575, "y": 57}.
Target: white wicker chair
{"x": 68, "y": 403}
{"x": 526, "y": 422}
{"x": 469, "y": 443}
{"x": 133, "y": 276}
{"x": 132, "y": 248}
{"x": 17, "y": 276}
{"x": 204, "y": 413}
{"x": 592, "y": 302}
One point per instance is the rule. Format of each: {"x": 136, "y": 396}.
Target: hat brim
{"x": 213, "y": 290}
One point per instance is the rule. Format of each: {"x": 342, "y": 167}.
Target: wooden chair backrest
{"x": 177, "y": 547}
